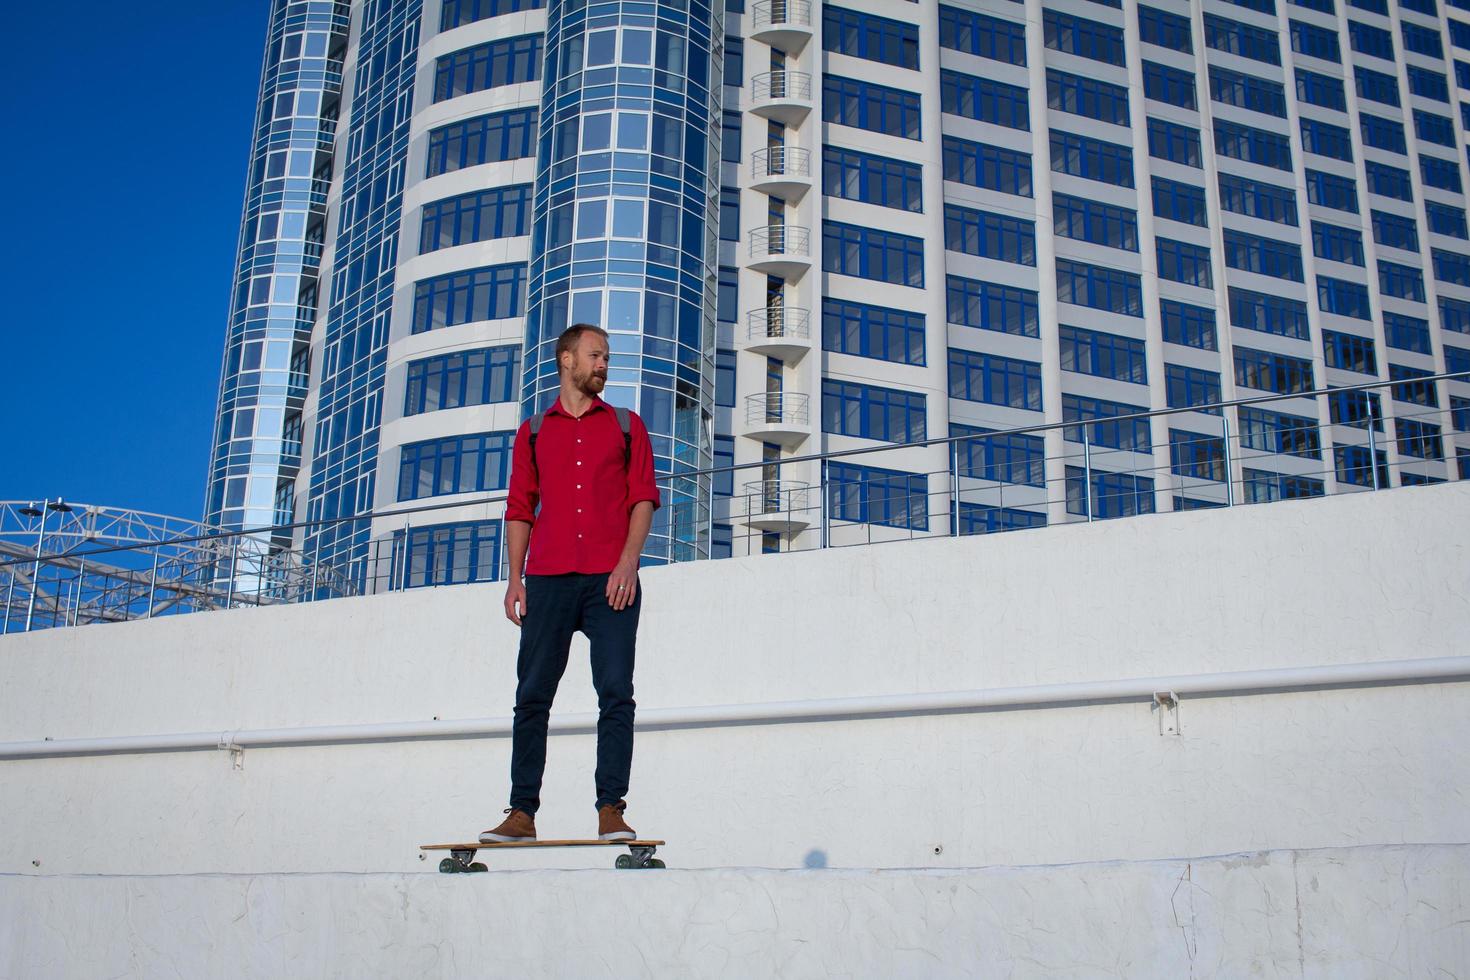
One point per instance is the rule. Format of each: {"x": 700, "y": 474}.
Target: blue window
{"x": 1422, "y": 40}
{"x": 1332, "y": 191}
{"x": 1349, "y": 352}
{"x": 1260, "y": 6}
{"x": 1322, "y": 90}
{"x": 1266, "y": 371}
{"x": 991, "y": 306}
{"x": 871, "y": 412}
{"x": 1337, "y": 243}
{"x": 1108, "y": 495}
{"x": 1251, "y": 145}
{"x": 985, "y": 519}
{"x": 1385, "y": 134}
{"x": 1234, "y": 37}
{"x": 1278, "y": 315}
{"x": 1460, "y": 418}
{"x": 724, "y": 455}
{"x": 873, "y": 331}
{"x": 730, "y": 133}
{"x": 872, "y": 495}
{"x": 1114, "y": 431}
{"x": 1089, "y": 97}
{"x": 1103, "y": 355}
{"x": 1247, "y": 91}
{"x": 1429, "y": 84}
{"x": 1080, "y": 36}
{"x": 989, "y": 235}
{"x": 1368, "y": 40}
{"x": 1093, "y": 221}
{"x": 852, "y": 250}
{"x": 1100, "y": 288}
{"x": 727, "y": 302}
{"x": 457, "y": 464}
{"x": 1321, "y": 6}
{"x": 1375, "y": 86}
{"x": 1420, "y": 440}
{"x": 1188, "y": 387}
{"x": 504, "y": 212}
{"x": 456, "y": 13}
{"x": 1326, "y": 140}
{"x": 1413, "y": 390}
{"x": 984, "y": 99}
{"x": 489, "y": 65}
{"x": 862, "y": 35}
{"x": 734, "y": 61}
{"x": 979, "y": 34}
{"x": 1315, "y": 42}
{"x": 1451, "y": 267}
{"x": 1266, "y": 256}
{"x": 1008, "y": 458}
{"x": 1278, "y": 432}
{"x": 1459, "y": 34}
{"x": 1188, "y": 325}
{"x": 1167, "y": 30}
{"x": 472, "y": 377}
{"x": 1184, "y": 262}
{"x": 1263, "y": 486}
{"x": 1343, "y": 298}
{"x": 449, "y": 554}
{"x": 1353, "y": 466}
{"x": 1195, "y": 455}
{"x": 1179, "y": 201}
{"x": 1171, "y": 85}
{"x": 1257, "y": 199}
{"x": 729, "y": 214}
{"x": 1395, "y": 231}
{"x": 867, "y": 105}
{"x": 991, "y": 167}
{"x": 1356, "y": 408}
{"x": 724, "y": 377}
{"x": 1446, "y": 219}
{"x": 858, "y": 176}
{"x": 1094, "y": 159}
{"x": 1174, "y": 142}
{"x": 1443, "y": 174}
{"x": 1454, "y": 314}
{"x": 489, "y": 293}
{"x": 1404, "y": 332}
{"x": 1428, "y": 7}
{"x": 1389, "y": 181}
{"x": 483, "y": 139}
{"x": 1401, "y": 281}
{"x": 994, "y": 380}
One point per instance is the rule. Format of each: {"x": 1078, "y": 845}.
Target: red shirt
{"x": 584, "y": 491}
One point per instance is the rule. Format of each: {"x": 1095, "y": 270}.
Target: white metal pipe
{"x": 1428, "y": 670}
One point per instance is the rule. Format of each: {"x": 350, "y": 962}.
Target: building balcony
{"x": 783, "y": 332}
{"x": 778, "y": 505}
{"x": 785, "y": 96}
{"x": 784, "y": 171}
{"x": 784, "y": 24}
{"x": 781, "y": 250}
{"x": 782, "y": 417}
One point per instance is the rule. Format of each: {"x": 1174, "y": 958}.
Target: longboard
{"x": 462, "y": 856}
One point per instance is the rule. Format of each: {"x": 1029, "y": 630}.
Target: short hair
{"x": 569, "y": 337}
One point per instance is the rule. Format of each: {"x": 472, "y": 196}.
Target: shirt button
{"x": 579, "y": 510}
{"x": 579, "y": 462}
{"x": 579, "y": 486}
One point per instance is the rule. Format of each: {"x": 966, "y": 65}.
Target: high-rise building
{"x": 813, "y": 227}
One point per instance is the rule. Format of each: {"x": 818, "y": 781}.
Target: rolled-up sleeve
{"x": 641, "y": 486}
{"x": 525, "y": 489}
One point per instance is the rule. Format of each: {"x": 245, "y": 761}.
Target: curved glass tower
{"x": 626, "y": 218}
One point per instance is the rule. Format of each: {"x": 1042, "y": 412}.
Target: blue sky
{"x": 127, "y": 129}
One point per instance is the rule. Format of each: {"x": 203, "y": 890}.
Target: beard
{"x": 590, "y": 383}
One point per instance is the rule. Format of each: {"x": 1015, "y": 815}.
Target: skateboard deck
{"x": 462, "y": 856}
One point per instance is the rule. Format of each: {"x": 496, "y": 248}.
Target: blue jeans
{"x": 556, "y": 607}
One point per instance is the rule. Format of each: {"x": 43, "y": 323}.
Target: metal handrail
{"x": 781, "y": 240}
{"x": 786, "y": 407}
{"x": 780, "y": 13}
{"x": 781, "y": 161}
{"x": 782, "y": 85}
{"x": 777, "y": 322}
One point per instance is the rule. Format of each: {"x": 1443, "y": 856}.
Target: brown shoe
{"x": 610, "y": 823}
{"x": 517, "y": 826}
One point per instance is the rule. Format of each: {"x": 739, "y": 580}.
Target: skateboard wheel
{"x": 448, "y": 866}
{"x": 655, "y": 863}
{"x": 478, "y": 866}
{"x": 624, "y": 861}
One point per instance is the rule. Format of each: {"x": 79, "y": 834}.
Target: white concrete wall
{"x": 1336, "y": 915}
{"x": 1350, "y": 579}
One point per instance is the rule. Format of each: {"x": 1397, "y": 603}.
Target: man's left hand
{"x": 622, "y": 585}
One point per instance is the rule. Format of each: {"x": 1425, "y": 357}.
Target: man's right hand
{"x": 515, "y": 601}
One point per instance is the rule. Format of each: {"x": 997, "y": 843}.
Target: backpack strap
{"x": 625, "y": 422}
{"x": 536, "y": 422}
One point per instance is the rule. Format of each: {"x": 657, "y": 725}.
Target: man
{"x": 590, "y": 468}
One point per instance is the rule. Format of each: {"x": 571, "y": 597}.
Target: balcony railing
{"x": 778, "y": 408}
{"x": 781, "y": 86}
{"x": 781, "y": 161}
{"x": 779, "y": 322}
{"x": 790, "y": 240}
{"x": 770, "y": 497}
{"x": 770, "y": 14}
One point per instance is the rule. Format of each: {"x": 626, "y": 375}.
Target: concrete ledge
{"x": 1378, "y": 912}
